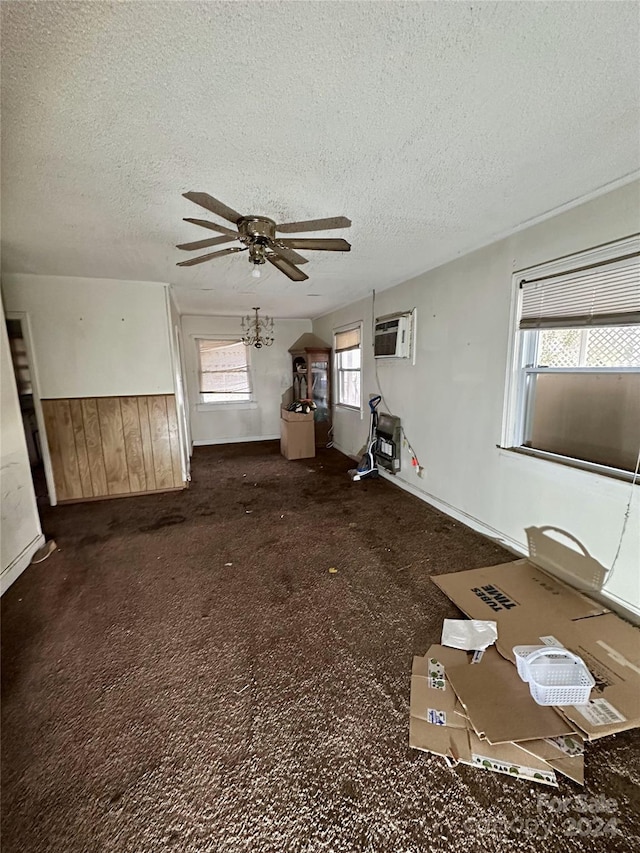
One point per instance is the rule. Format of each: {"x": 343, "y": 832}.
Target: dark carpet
{"x": 186, "y": 674}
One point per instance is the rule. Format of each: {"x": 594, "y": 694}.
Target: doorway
{"x": 30, "y": 408}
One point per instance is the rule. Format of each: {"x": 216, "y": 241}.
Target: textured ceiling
{"x": 434, "y": 126}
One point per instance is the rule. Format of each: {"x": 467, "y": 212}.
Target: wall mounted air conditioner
{"x": 392, "y": 336}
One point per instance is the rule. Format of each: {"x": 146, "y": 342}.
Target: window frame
{"x": 521, "y": 358}
{"x": 204, "y": 406}
{"x": 337, "y": 370}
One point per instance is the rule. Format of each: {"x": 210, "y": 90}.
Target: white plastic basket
{"x": 521, "y": 653}
{"x": 556, "y": 676}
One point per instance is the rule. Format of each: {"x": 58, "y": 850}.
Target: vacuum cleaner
{"x": 367, "y": 466}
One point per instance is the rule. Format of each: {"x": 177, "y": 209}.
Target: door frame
{"x": 175, "y": 346}
{"x": 25, "y": 323}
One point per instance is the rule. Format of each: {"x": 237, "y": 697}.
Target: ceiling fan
{"x": 258, "y": 236}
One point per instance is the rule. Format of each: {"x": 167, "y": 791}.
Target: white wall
{"x": 20, "y": 533}
{"x": 270, "y": 376}
{"x": 451, "y": 402}
{"x": 95, "y": 337}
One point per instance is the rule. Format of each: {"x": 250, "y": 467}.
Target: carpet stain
{"x": 163, "y": 521}
{"x": 94, "y": 539}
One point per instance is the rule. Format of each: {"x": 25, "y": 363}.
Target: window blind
{"x": 223, "y": 367}
{"x": 349, "y": 339}
{"x": 603, "y": 294}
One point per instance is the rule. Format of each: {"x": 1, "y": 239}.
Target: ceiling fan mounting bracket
{"x": 256, "y": 232}
{"x": 256, "y": 229}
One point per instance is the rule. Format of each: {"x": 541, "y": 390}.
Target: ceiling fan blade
{"x": 314, "y": 225}
{"x": 213, "y": 226}
{"x": 204, "y": 258}
{"x": 204, "y": 244}
{"x": 323, "y": 244}
{"x": 289, "y": 254}
{"x": 213, "y": 205}
{"x": 287, "y": 268}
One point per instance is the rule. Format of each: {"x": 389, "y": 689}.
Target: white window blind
{"x": 224, "y": 371}
{"x": 349, "y": 339}
{"x": 602, "y": 294}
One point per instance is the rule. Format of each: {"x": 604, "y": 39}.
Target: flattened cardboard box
{"x": 564, "y": 754}
{"x": 548, "y": 736}
{"x": 432, "y": 698}
{"x": 531, "y": 607}
{"x": 438, "y": 725}
{"x": 499, "y": 704}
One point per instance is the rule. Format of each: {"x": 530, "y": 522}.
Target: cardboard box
{"x": 499, "y": 704}
{"x": 297, "y": 435}
{"x": 295, "y": 417}
{"x": 564, "y": 754}
{"x": 532, "y": 607}
{"x": 438, "y": 725}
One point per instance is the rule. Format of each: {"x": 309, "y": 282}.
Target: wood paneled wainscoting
{"x": 106, "y": 446}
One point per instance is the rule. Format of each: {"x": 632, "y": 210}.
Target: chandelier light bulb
{"x": 255, "y": 272}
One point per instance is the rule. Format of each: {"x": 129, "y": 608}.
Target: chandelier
{"x": 257, "y": 331}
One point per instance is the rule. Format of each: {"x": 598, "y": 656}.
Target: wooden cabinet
{"x": 311, "y": 379}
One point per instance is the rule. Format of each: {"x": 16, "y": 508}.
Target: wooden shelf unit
{"x": 311, "y": 379}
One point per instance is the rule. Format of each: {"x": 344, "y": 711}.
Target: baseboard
{"x": 17, "y": 567}
{"x": 94, "y": 498}
{"x": 469, "y": 520}
{"x": 623, "y": 608}
{"x": 344, "y": 452}
{"x": 474, "y": 523}
{"x": 239, "y": 440}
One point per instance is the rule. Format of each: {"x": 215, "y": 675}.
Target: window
{"x": 577, "y": 369}
{"x": 223, "y": 371}
{"x": 348, "y": 366}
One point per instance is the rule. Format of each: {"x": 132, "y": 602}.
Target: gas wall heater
{"x": 388, "y": 442}
{"x": 392, "y": 338}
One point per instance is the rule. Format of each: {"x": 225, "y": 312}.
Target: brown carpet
{"x": 185, "y": 674}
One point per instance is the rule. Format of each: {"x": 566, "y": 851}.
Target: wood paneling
{"x": 145, "y": 437}
{"x": 113, "y": 450}
{"x": 133, "y": 444}
{"x": 113, "y": 445}
{"x": 160, "y": 442}
{"x": 62, "y": 445}
{"x": 93, "y": 440}
{"x": 77, "y": 421}
{"x": 53, "y": 437}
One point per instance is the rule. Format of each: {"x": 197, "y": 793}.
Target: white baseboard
{"x": 234, "y": 440}
{"x": 519, "y": 549}
{"x": 343, "y": 451}
{"x": 507, "y": 542}
{"x": 622, "y": 607}
{"x": 17, "y": 567}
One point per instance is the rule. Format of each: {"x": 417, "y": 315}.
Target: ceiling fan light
{"x": 255, "y": 272}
